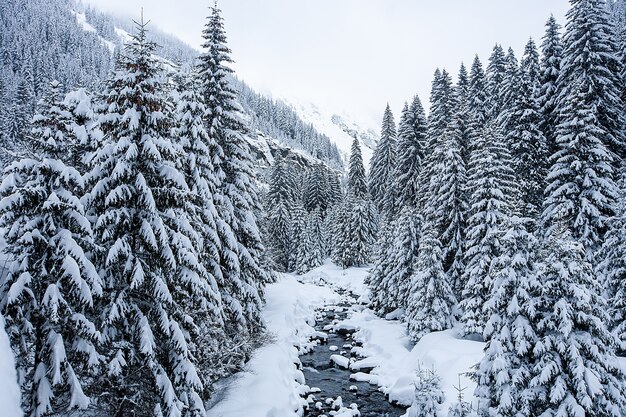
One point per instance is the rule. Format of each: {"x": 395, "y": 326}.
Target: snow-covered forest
{"x": 175, "y": 243}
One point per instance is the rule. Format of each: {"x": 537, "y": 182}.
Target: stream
{"x": 332, "y": 391}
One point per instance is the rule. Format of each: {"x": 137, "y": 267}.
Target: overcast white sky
{"x": 353, "y": 55}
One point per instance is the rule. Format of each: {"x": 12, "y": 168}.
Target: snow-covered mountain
{"x": 339, "y": 127}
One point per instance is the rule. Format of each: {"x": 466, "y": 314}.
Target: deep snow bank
{"x": 9, "y": 390}
{"x": 271, "y": 382}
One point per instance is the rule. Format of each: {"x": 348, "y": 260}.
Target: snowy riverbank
{"x": 271, "y": 384}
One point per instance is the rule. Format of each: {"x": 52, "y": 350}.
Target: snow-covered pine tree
{"x": 528, "y": 145}
{"x": 357, "y": 183}
{"x": 494, "y": 85}
{"x": 503, "y": 372}
{"x": 379, "y": 278}
{"x": 48, "y": 296}
{"x": 310, "y": 245}
{"x": 492, "y": 192}
{"x": 575, "y": 370}
{"x": 442, "y": 107}
{"x": 428, "y": 395}
{"x": 196, "y": 239}
{"x": 581, "y": 191}
{"x": 431, "y": 301}
{"x": 279, "y": 207}
{"x": 462, "y": 111}
{"x": 316, "y": 190}
{"x": 236, "y": 199}
{"x": 381, "y": 179}
{"x": 509, "y": 90}
{"x": 591, "y": 67}
{"x": 356, "y": 226}
{"x": 551, "y": 55}
{"x": 477, "y": 109}
{"x": 297, "y": 217}
{"x": 409, "y": 149}
{"x": 447, "y": 205}
{"x": 149, "y": 369}
{"x": 613, "y": 266}
{"x": 402, "y": 258}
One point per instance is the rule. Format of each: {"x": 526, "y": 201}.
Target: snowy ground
{"x": 9, "y": 390}
{"x": 271, "y": 383}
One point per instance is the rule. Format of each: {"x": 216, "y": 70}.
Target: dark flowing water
{"x": 332, "y": 381}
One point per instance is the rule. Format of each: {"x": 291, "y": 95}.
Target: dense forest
{"x": 141, "y": 233}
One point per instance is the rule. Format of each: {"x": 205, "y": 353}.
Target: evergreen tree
{"x": 447, "y": 205}
{"x": 590, "y": 70}
{"x": 494, "y": 86}
{"x": 509, "y": 91}
{"x": 613, "y": 267}
{"x": 580, "y": 189}
{"x": 237, "y": 198}
{"x": 48, "y": 296}
{"x": 575, "y": 370}
{"x": 279, "y": 206}
{"x": 551, "y": 55}
{"x": 402, "y": 258}
{"x": 431, "y": 298}
{"x": 462, "y": 112}
{"x": 491, "y": 184}
{"x": 357, "y": 184}
{"x": 148, "y": 365}
{"x": 310, "y": 248}
{"x": 382, "y": 165}
{"x": 411, "y": 137}
{"x": 528, "y": 145}
{"x": 198, "y": 269}
{"x": 379, "y": 279}
{"x": 504, "y": 371}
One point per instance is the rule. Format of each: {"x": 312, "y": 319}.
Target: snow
{"x": 9, "y": 390}
{"x": 388, "y": 350}
{"x": 271, "y": 383}
{"x": 338, "y": 127}
{"x": 87, "y": 27}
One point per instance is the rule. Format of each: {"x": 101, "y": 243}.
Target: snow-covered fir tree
{"x": 575, "y": 371}
{"x": 503, "y": 372}
{"x": 237, "y": 198}
{"x": 382, "y": 165}
{"x": 551, "y": 55}
{"x": 310, "y": 252}
{"x": 410, "y": 151}
{"x": 431, "y": 301}
{"x": 355, "y": 227}
{"x": 197, "y": 242}
{"x": 494, "y": 81}
{"x": 613, "y": 266}
{"x": 48, "y": 296}
{"x": 428, "y": 395}
{"x": 357, "y": 182}
{"x": 591, "y": 65}
{"x": 279, "y": 212}
{"x": 446, "y": 205}
{"x": 528, "y": 145}
{"x": 492, "y": 191}
{"x": 509, "y": 90}
{"x": 142, "y": 226}
{"x": 581, "y": 191}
